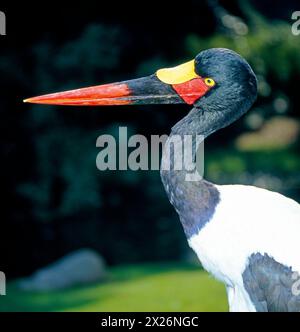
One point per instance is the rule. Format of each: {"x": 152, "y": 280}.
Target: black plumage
{"x": 270, "y": 285}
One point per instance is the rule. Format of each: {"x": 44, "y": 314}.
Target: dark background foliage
{"x": 54, "y": 199}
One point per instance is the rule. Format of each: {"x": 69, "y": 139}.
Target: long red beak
{"x": 146, "y": 90}
{"x": 108, "y": 94}
{"x": 176, "y": 85}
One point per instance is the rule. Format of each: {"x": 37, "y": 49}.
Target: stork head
{"x": 217, "y": 79}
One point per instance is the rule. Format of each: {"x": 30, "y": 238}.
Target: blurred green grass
{"x": 146, "y": 287}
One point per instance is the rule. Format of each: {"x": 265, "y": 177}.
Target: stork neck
{"x": 194, "y": 201}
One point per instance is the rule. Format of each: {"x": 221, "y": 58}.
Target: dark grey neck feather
{"x": 194, "y": 201}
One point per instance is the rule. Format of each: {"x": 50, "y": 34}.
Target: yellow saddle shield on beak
{"x": 179, "y": 74}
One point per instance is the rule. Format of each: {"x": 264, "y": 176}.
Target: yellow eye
{"x": 209, "y": 82}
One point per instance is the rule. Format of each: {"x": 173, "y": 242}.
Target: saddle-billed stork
{"x": 247, "y": 237}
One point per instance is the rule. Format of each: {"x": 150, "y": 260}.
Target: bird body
{"x": 247, "y": 220}
{"x": 247, "y": 237}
